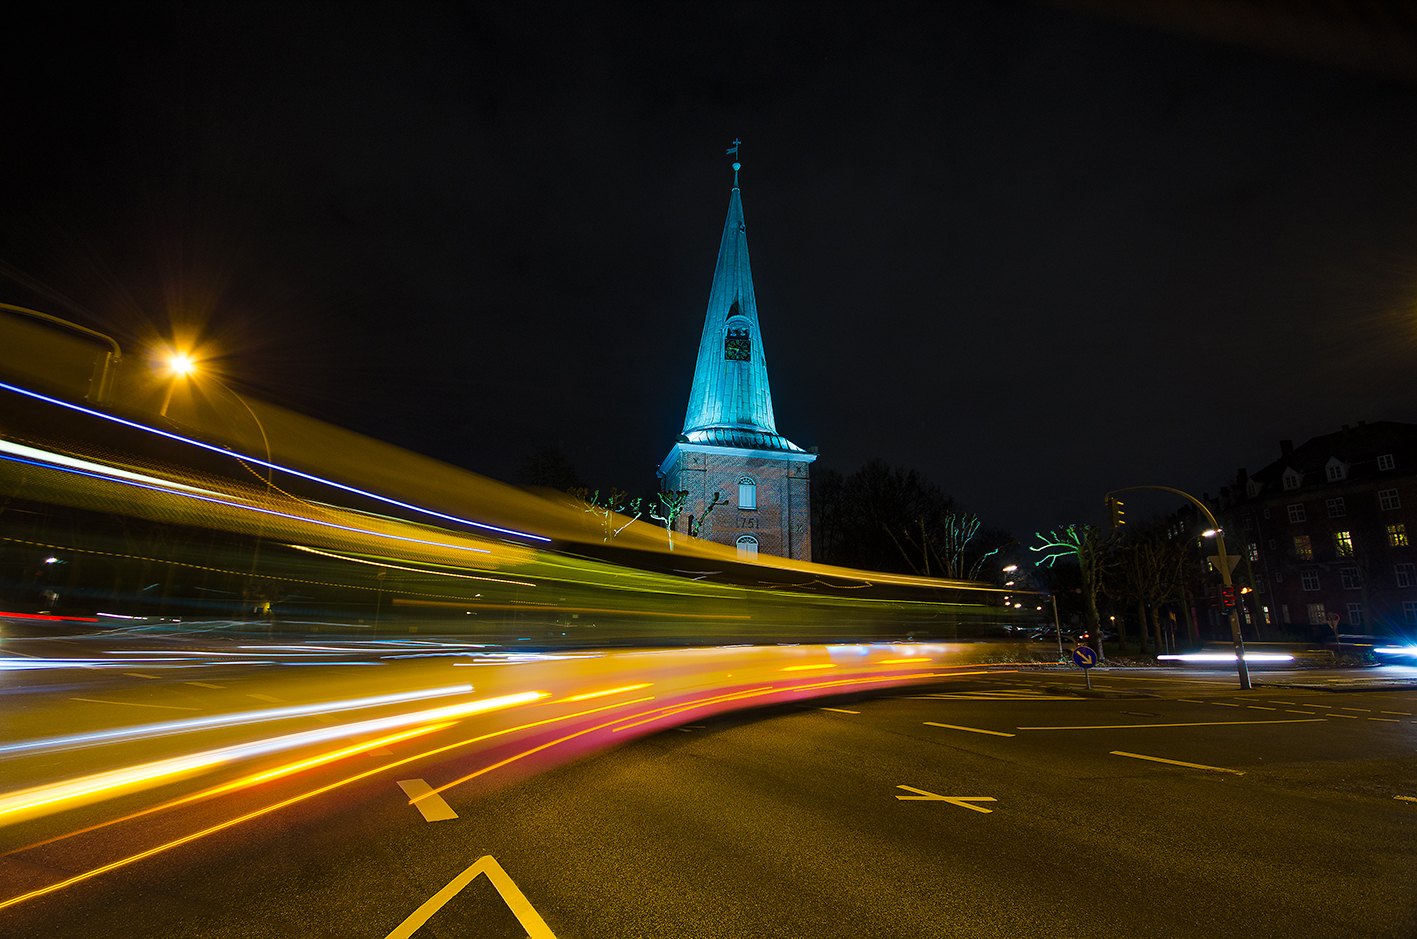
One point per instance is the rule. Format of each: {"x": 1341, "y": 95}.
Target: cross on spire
{"x": 736, "y": 165}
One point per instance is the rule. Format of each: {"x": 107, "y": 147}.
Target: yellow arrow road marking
{"x": 516, "y": 901}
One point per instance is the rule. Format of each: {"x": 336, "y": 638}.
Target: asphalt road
{"x": 1285, "y": 812}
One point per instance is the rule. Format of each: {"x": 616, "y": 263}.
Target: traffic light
{"x": 1115, "y": 514}
{"x": 1227, "y": 597}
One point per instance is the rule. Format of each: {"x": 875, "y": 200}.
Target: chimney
{"x": 1286, "y": 447}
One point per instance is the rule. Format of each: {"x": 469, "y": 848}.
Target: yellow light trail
{"x": 803, "y": 668}
{"x": 187, "y": 839}
{"x": 599, "y": 694}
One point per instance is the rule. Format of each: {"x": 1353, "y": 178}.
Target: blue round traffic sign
{"x": 1084, "y": 657}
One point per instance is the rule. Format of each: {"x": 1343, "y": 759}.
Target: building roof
{"x": 1355, "y": 451}
{"x": 730, "y": 403}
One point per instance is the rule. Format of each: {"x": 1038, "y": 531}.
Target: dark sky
{"x": 1033, "y": 252}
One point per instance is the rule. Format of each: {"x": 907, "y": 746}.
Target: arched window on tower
{"x": 747, "y": 548}
{"x": 747, "y": 493}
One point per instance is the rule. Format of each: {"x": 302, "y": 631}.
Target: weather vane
{"x": 736, "y": 165}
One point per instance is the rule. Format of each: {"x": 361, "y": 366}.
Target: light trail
{"x": 248, "y": 508}
{"x": 165, "y": 728}
{"x": 274, "y": 466}
{"x": 230, "y": 823}
{"x": 416, "y": 570}
{"x": 46, "y": 799}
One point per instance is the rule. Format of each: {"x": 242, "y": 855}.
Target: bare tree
{"x": 1091, "y": 549}
{"x": 605, "y": 509}
{"x": 671, "y": 506}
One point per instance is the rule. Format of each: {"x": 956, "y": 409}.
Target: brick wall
{"x": 782, "y": 520}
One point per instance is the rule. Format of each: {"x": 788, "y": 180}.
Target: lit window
{"x": 1254, "y": 552}
{"x": 747, "y": 548}
{"x": 1317, "y": 615}
{"x": 1406, "y": 575}
{"x": 1350, "y": 578}
{"x": 1303, "y": 548}
{"x": 747, "y": 493}
{"x": 1267, "y": 617}
{"x": 1387, "y": 499}
{"x": 1310, "y": 579}
{"x": 1343, "y": 543}
{"x": 1336, "y": 508}
{"x": 1385, "y": 462}
{"x": 1355, "y": 614}
{"x": 1296, "y": 513}
{"x": 1397, "y": 535}
{"x": 1409, "y": 612}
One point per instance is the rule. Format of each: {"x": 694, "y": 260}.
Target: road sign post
{"x": 1084, "y": 658}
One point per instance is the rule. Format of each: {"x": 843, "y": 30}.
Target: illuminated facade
{"x": 730, "y": 444}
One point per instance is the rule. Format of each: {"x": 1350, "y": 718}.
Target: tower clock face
{"x": 737, "y": 348}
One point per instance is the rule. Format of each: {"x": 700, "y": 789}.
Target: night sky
{"x": 1032, "y": 251}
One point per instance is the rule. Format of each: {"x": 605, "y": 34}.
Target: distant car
{"x": 1049, "y": 634}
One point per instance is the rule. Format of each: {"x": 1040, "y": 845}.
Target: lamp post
{"x": 101, "y": 384}
{"x": 1222, "y": 561}
{"x": 183, "y": 366}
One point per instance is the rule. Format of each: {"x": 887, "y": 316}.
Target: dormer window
{"x": 1252, "y": 488}
{"x": 1385, "y": 462}
{"x": 1336, "y": 470}
{"x": 1292, "y": 479}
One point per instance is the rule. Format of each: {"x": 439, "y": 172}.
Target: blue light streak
{"x": 273, "y": 466}
{"x": 238, "y": 505}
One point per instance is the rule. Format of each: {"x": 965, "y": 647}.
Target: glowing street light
{"x": 1222, "y": 562}
{"x": 181, "y": 364}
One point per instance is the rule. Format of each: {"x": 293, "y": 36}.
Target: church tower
{"x": 730, "y": 444}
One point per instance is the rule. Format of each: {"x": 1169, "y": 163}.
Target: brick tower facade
{"x": 730, "y": 444}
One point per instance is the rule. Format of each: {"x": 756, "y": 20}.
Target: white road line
{"x": 839, "y": 710}
{"x": 1364, "y": 710}
{"x": 1390, "y": 720}
{"x": 1292, "y": 711}
{"x": 1157, "y": 759}
{"x": 202, "y": 684}
{"x": 1190, "y": 701}
{"x": 972, "y": 730}
{"x": 1349, "y": 717}
{"x": 427, "y": 801}
{"x": 1224, "y": 705}
{"x": 1260, "y": 707}
{"x": 1296, "y": 720}
{"x": 1403, "y": 713}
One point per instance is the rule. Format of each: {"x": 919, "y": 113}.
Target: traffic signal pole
{"x": 1223, "y": 560}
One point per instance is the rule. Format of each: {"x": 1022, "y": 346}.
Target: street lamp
{"x": 1222, "y": 561}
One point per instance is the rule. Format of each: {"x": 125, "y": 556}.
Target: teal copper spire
{"x": 730, "y": 403}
